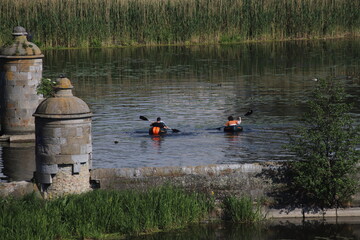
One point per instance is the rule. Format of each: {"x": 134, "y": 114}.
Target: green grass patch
{"x": 100, "y": 212}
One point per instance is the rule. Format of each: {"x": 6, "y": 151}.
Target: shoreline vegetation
{"x": 105, "y": 214}
{"x": 117, "y": 23}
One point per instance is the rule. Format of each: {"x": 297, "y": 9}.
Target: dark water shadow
{"x": 18, "y": 161}
{"x": 275, "y": 229}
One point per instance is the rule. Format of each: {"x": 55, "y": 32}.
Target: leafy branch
{"x": 46, "y": 87}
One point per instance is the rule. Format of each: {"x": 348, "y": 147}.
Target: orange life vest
{"x": 233, "y": 122}
{"x": 156, "y": 130}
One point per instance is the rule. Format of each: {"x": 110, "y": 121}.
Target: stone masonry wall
{"x": 65, "y": 182}
{"x": 19, "y": 79}
{"x": 220, "y": 180}
{"x": 63, "y": 155}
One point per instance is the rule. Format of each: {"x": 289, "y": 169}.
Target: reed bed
{"x": 96, "y": 23}
{"x": 94, "y": 214}
{"x": 241, "y": 210}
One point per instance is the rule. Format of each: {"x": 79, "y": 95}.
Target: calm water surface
{"x": 283, "y": 229}
{"x": 194, "y": 89}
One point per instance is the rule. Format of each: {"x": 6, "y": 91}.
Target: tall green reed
{"x": 100, "y": 212}
{"x": 96, "y": 23}
{"x": 241, "y": 210}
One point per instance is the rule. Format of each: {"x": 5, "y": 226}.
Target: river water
{"x": 329, "y": 229}
{"x": 194, "y": 89}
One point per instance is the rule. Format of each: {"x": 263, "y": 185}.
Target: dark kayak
{"x": 235, "y": 128}
{"x": 157, "y": 131}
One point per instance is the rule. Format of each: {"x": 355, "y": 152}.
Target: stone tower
{"x": 20, "y": 74}
{"x": 63, "y": 146}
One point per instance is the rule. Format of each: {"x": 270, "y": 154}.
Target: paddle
{"x": 246, "y": 114}
{"x": 173, "y": 129}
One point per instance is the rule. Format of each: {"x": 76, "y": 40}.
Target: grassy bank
{"x": 100, "y": 212}
{"x": 104, "y": 214}
{"x": 96, "y": 23}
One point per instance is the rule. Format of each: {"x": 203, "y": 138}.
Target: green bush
{"x": 325, "y": 145}
{"x": 46, "y": 87}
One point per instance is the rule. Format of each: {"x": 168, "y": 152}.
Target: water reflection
{"x": 157, "y": 143}
{"x": 292, "y": 229}
{"x": 18, "y": 161}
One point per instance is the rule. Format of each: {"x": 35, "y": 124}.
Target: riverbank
{"x": 99, "y": 213}
{"x": 199, "y": 44}
{"x": 84, "y": 24}
{"x": 106, "y": 214}
{"x": 257, "y": 180}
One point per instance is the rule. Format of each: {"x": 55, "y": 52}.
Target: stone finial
{"x": 63, "y": 83}
{"x": 20, "y": 47}
{"x": 19, "y": 31}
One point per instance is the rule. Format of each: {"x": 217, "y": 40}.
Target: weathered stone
{"x": 17, "y": 189}
{"x": 236, "y": 179}
{"x": 21, "y": 72}
{"x": 63, "y": 133}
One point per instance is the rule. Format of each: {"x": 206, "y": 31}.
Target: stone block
{"x": 85, "y": 148}
{"x": 12, "y": 68}
{"x": 48, "y": 140}
{"x": 71, "y": 148}
{"x": 21, "y": 76}
{"x": 90, "y": 161}
{"x": 9, "y": 76}
{"x": 38, "y": 61}
{"x": 69, "y": 132}
{"x": 33, "y": 82}
{"x": 76, "y": 167}
{"x": 25, "y": 66}
{"x": 81, "y": 158}
{"x": 22, "y": 83}
{"x": 49, "y": 132}
{"x": 79, "y": 132}
{"x": 17, "y": 189}
{"x": 43, "y": 178}
{"x": 10, "y": 114}
{"x": 47, "y": 149}
{"x": 48, "y": 168}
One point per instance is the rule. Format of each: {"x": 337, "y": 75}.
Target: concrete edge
{"x": 298, "y": 213}
{"x": 18, "y": 138}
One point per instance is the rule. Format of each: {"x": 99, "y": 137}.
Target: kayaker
{"x": 232, "y": 122}
{"x": 157, "y": 126}
{"x": 159, "y": 123}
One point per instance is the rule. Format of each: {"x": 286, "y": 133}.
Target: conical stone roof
{"x": 63, "y": 104}
{"x": 20, "y": 46}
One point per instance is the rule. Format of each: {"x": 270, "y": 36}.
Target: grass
{"x": 94, "y": 214}
{"x": 104, "y": 214}
{"x": 241, "y": 210}
{"x": 99, "y": 23}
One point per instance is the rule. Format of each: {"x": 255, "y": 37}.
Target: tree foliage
{"x": 326, "y": 148}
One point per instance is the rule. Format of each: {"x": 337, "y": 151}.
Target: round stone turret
{"x": 21, "y": 73}
{"x": 63, "y": 143}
